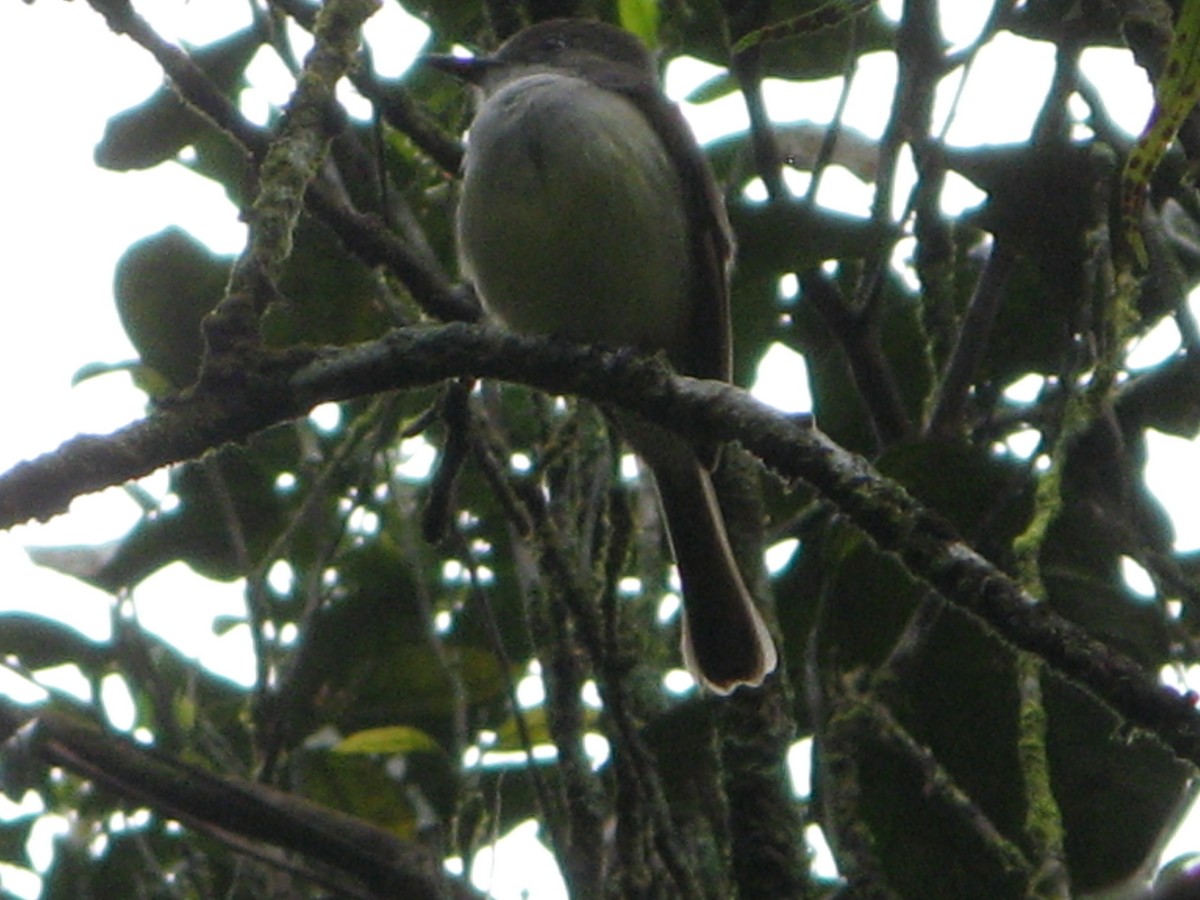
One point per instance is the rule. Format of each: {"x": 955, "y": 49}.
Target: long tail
{"x": 725, "y": 641}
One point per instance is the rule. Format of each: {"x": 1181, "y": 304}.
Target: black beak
{"x": 469, "y": 69}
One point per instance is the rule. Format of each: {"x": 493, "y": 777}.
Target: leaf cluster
{"x": 399, "y": 609}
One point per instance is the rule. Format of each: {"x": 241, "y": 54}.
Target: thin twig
{"x": 949, "y": 407}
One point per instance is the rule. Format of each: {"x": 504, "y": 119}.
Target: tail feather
{"x": 725, "y": 640}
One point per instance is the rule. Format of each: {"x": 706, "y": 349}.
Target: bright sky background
{"x": 65, "y": 223}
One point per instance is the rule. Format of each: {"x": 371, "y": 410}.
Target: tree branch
{"x": 220, "y": 805}
{"x": 286, "y": 385}
{"x": 971, "y": 343}
{"x": 363, "y": 234}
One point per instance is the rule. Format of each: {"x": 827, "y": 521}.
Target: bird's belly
{"x": 572, "y": 220}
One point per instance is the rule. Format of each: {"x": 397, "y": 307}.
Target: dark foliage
{"x": 962, "y": 747}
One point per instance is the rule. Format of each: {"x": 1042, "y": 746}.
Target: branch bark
{"x": 286, "y": 385}
{"x": 245, "y": 815}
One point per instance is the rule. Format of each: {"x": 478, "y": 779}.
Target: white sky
{"x": 65, "y": 223}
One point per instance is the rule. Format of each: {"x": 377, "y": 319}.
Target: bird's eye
{"x": 554, "y": 44}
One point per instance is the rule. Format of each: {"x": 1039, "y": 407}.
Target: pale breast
{"x": 572, "y": 220}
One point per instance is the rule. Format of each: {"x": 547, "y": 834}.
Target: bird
{"x": 588, "y": 211}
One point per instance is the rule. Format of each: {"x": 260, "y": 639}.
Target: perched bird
{"x": 588, "y": 211}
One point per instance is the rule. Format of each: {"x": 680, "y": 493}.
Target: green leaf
{"x": 704, "y": 30}
{"x": 452, "y": 21}
{"x": 95, "y": 370}
{"x": 14, "y": 836}
{"x": 389, "y": 739}
{"x": 641, "y": 18}
{"x": 720, "y": 85}
{"x": 1118, "y": 791}
{"x": 359, "y": 786}
{"x": 164, "y": 285}
{"x": 157, "y": 129}
{"x": 826, "y": 15}
{"x": 331, "y": 296}
{"x": 40, "y": 643}
{"x": 510, "y": 736}
{"x": 987, "y": 498}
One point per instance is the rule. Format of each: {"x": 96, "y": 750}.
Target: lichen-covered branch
{"x": 288, "y": 385}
